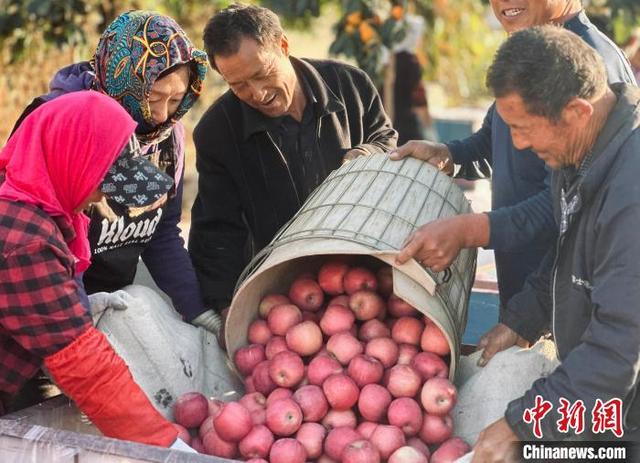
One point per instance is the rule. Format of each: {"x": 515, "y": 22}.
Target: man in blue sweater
{"x": 520, "y": 228}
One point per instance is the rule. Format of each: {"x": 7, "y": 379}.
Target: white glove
{"x": 119, "y": 300}
{"x": 182, "y": 446}
{"x": 210, "y": 321}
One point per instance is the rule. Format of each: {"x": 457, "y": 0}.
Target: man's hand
{"x": 438, "y": 243}
{"x": 436, "y": 154}
{"x": 496, "y": 444}
{"x": 497, "y": 339}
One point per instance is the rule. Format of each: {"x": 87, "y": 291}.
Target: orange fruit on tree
{"x": 397, "y": 12}
{"x": 354, "y": 18}
{"x": 366, "y": 32}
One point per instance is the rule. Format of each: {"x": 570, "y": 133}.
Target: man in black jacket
{"x": 269, "y": 141}
{"x": 551, "y": 90}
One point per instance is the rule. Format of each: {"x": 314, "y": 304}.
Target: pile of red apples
{"x": 337, "y": 370}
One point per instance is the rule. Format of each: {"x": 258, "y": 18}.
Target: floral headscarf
{"x": 134, "y": 51}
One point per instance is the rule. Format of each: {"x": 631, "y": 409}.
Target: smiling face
{"x": 552, "y": 141}
{"x": 515, "y": 15}
{"x": 167, "y": 94}
{"x": 261, "y": 76}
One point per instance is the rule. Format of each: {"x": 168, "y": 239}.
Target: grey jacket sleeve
{"x": 606, "y": 363}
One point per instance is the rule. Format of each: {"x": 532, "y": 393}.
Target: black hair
{"x": 226, "y": 29}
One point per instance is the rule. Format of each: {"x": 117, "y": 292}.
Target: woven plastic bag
{"x": 167, "y": 357}
{"x": 484, "y": 393}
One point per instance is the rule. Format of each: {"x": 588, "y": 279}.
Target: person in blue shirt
{"x": 520, "y": 227}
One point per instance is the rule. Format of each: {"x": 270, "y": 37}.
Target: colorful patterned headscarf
{"x": 137, "y": 47}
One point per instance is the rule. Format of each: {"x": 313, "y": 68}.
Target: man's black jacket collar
{"x": 326, "y": 102}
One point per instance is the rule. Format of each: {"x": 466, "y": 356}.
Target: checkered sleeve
{"x": 40, "y": 309}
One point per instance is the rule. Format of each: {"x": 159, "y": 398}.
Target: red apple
{"x": 339, "y": 419}
{"x": 214, "y": 445}
{"x": 364, "y": 370}
{"x": 336, "y": 319}
{"x": 197, "y": 445}
{"x": 366, "y": 428}
{"x": 341, "y": 391}
{"x": 337, "y": 440}
{"x": 261, "y": 379}
{"x": 247, "y": 358}
{"x": 270, "y": 301}
{"x": 372, "y": 329}
{"x": 321, "y": 367}
{"x": 407, "y": 454}
{"x": 373, "y": 402}
{"x": 259, "y": 332}
{"x": 384, "y": 349}
{"x": 254, "y": 401}
{"x": 279, "y": 394}
{"x": 312, "y": 316}
{"x": 259, "y": 416}
{"x": 419, "y": 445}
{"x": 360, "y": 451}
{"x": 287, "y": 451}
{"x": 366, "y": 304}
{"x": 257, "y": 443}
{"x": 344, "y": 346}
{"x": 286, "y": 369}
{"x": 385, "y": 280}
{"x": 407, "y": 330}
{"x": 311, "y": 436}
{"x": 276, "y": 344}
{"x": 206, "y": 426}
{"x": 406, "y": 414}
{"x": 359, "y": 278}
{"x": 324, "y": 458}
{"x": 304, "y": 338}
{"x": 183, "y": 433}
{"x": 434, "y": 340}
{"x": 312, "y": 402}
{"x": 342, "y": 300}
{"x": 406, "y": 352}
{"x": 233, "y": 422}
{"x": 403, "y": 381}
{"x": 249, "y": 385}
{"x": 387, "y": 439}
{"x": 400, "y": 308}
{"x": 436, "y": 429}
{"x": 284, "y": 417}
{"x": 438, "y": 396}
{"x": 429, "y": 365}
{"x": 282, "y": 317}
{"x": 214, "y": 406}
{"x": 449, "y": 451}
{"x": 331, "y": 276}
{"x": 191, "y": 409}
{"x": 306, "y": 294}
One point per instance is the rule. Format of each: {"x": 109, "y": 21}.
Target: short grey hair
{"x": 547, "y": 66}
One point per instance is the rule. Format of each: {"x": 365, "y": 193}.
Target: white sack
{"x": 484, "y": 393}
{"x": 167, "y": 357}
